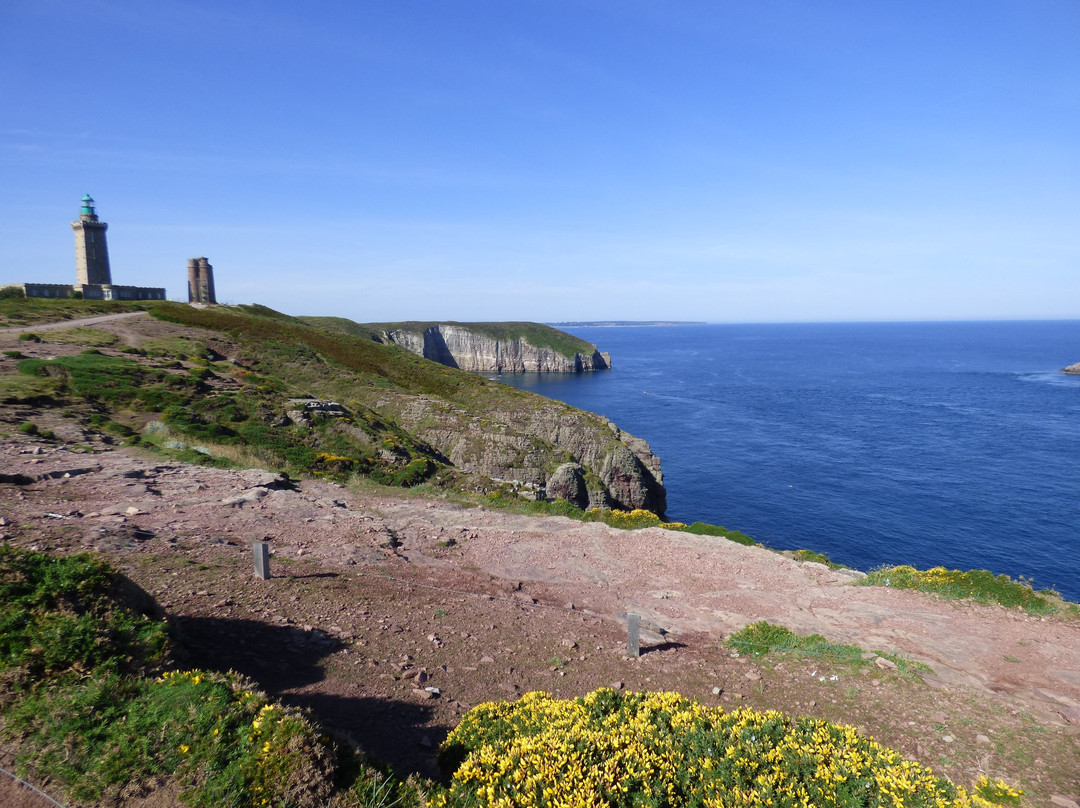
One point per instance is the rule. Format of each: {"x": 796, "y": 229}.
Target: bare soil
{"x": 390, "y": 616}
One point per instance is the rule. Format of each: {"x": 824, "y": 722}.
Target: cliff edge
{"x": 509, "y": 347}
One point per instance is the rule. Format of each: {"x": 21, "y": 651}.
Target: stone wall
{"x": 116, "y": 292}
{"x": 47, "y": 289}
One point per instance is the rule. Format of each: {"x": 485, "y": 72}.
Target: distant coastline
{"x": 623, "y": 323}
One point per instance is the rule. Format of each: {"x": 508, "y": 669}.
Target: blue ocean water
{"x": 951, "y": 444}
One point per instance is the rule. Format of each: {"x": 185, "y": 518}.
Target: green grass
{"x": 59, "y": 615}
{"x": 224, "y": 741}
{"x": 111, "y": 380}
{"x": 283, "y": 340}
{"x": 705, "y": 529}
{"x": 818, "y": 558}
{"x": 81, "y": 335}
{"x": 504, "y": 501}
{"x": 978, "y": 585}
{"x": 32, "y": 311}
{"x": 761, "y": 638}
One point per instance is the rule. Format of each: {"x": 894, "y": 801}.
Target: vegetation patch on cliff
{"x": 979, "y": 585}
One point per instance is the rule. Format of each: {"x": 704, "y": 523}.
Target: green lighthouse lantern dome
{"x": 87, "y": 205}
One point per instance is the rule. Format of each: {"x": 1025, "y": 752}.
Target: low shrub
{"x": 998, "y": 792}
{"x": 624, "y": 520}
{"x": 70, "y": 614}
{"x": 979, "y": 585}
{"x": 112, "y": 380}
{"x": 660, "y": 749}
{"x": 758, "y": 639}
{"x": 87, "y": 713}
{"x": 639, "y": 518}
{"x": 412, "y": 473}
{"x": 818, "y": 558}
{"x": 762, "y": 637}
{"x": 705, "y": 529}
{"x": 217, "y": 736}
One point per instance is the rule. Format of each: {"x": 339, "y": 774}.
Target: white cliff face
{"x": 457, "y": 346}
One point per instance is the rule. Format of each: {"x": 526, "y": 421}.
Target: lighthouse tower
{"x": 91, "y": 252}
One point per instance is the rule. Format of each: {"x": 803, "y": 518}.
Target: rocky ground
{"x": 390, "y": 616}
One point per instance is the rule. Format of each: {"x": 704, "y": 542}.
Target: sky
{"x": 555, "y": 160}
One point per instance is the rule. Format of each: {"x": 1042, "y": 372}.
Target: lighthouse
{"x": 91, "y": 251}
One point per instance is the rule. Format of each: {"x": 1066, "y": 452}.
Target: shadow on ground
{"x": 285, "y": 661}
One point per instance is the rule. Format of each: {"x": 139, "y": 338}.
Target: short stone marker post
{"x": 633, "y": 634}
{"x": 261, "y": 551}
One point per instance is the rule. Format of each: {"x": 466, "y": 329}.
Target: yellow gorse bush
{"x": 981, "y": 585}
{"x": 617, "y": 749}
{"x": 630, "y": 520}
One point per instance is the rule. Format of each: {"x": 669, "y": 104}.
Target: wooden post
{"x": 633, "y": 634}
{"x": 261, "y": 551}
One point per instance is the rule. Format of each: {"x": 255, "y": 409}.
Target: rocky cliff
{"x": 1075, "y": 369}
{"x": 398, "y": 409}
{"x": 473, "y": 347}
{"x": 542, "y": 448}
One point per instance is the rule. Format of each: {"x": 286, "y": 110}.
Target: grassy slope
{"x": 19, "y": 312}
{"x": 399, "y": 403}
{"x": 536, "y": 334}
{"x": 378, "y": 365}
{"x": 488, "y": 428}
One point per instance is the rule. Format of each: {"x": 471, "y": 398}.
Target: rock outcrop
{"x": 458, "y": 346}
{"x": 1074, "y": 369}
{"x": 544, "y": 446}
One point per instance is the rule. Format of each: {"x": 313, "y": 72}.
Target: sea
{"x": 932, "y": 444}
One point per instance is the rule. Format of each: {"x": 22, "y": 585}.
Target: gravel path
{"x": 104, "y": 318}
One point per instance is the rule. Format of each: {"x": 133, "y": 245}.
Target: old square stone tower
{"x": 91, "y": 251}
{"x": 200, "y": 281}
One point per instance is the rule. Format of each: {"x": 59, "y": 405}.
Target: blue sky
{"x": 556, "y": 160}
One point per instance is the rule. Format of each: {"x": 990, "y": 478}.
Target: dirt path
{"x": 104, "y": 318}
